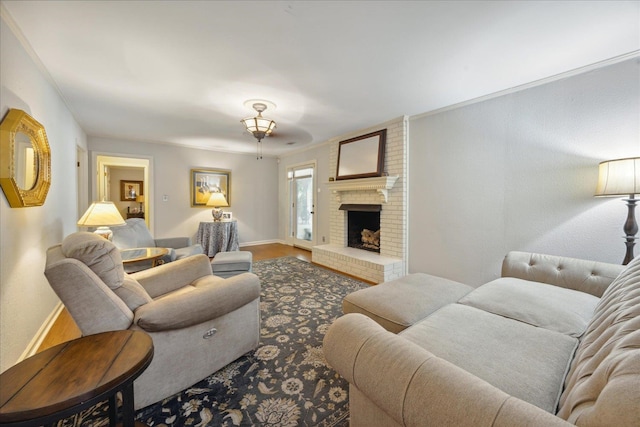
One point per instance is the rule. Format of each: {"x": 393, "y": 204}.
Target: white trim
{"x": 290, "y": 239}
{"x": 540, "y": 82}
{"x": 100, "y": 159}
{"x": 380, "y": 184}
{"x": 42, "y": 333}
{"x": 263, "y": 242}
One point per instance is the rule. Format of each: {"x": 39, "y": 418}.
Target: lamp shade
{"x": 217, "y": 200}
{"x": 140, "y": 199}
{"x": 101, "y": 214}
{"x": 259, "y": 126}
{"x": 620, "y": 177}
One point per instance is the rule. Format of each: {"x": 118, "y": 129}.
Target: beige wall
{"x": 26, "y": 300}
{"x": 518, "y": 172}
{"x": 254, "y": 188}
{"x": 514, "y": 172}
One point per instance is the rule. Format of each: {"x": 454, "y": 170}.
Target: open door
{"x": 302, "y": 205}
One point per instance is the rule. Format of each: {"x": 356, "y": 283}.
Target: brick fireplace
{"x": 389, "y": 194}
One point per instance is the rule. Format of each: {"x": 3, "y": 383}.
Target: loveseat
{"x": 199, "y": 322}
{"x": 554, "y": 342}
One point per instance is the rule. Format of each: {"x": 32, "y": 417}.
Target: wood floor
{"x": 65, "y": 329}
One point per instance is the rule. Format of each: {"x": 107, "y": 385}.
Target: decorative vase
{"x": 217, "y": 214}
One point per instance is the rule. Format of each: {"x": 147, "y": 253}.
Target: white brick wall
{"x": 393, "y": 216}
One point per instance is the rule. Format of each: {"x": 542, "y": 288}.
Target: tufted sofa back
{"x": 591, "y": 277}
{"x": 603, "y": 383}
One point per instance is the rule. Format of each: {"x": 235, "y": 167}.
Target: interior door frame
{"x": 103, "y": 160}
{"x": 291, "y": 238}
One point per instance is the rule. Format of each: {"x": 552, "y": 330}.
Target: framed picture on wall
{"x": 129, "y": 190}
{"x": 204, "y": 182}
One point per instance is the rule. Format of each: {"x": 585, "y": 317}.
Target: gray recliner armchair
{"x": 135, "y": 234}
{"x": 199, "y": 322}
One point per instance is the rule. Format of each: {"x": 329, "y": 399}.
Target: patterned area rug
{"x": 285, "y": 382}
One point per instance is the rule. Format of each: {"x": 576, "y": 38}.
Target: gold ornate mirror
{"x": 25, "y": 160}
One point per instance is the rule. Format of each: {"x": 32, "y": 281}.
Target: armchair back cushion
{"x": 93, "y": 305}
{"x": 97, "y": 253}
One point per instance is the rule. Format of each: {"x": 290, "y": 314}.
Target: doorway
{"x": 302, "y": 202}
{"x": 111, "y": 171}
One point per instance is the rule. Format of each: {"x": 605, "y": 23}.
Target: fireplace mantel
{"x": 380, "y": 184}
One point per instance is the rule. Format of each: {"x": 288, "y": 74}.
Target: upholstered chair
{"x": 199, "y": 322}
{"x": 135, "y": 234}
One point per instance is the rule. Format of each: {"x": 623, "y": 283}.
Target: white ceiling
{"x": 181, "y": 71}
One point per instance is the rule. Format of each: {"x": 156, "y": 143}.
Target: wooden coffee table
{"x": 143, "y": 254}
{"x": 76, "y": 375}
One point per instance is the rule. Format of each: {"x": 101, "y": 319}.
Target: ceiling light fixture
{"x": 259, "y": 126}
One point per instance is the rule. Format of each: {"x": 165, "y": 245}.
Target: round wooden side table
{"x": 76, "y": 375}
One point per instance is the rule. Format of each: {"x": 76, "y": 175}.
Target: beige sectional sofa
{"x": 554, "y": 341}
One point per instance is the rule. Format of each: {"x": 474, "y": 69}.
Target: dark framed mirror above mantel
{"x": 362, "y": 156}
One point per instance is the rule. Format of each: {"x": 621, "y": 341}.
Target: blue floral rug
{"x": 285, "y": 382}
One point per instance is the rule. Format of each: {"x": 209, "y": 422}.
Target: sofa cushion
{"x": 538, "y": 304}
{"x": 522, "y": 360}
{"x": 400, "y": 303}
{"x": 97, "y": 253}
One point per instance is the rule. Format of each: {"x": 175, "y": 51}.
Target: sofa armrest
{"x": 173, "y": 242}
{"x": 412, "y": 385}
{"x": 210, "y": 298}
{"x": 168, "y": 277}
{"x": 591, "y": 277}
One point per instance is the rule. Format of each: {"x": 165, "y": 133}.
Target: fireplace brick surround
{"x": 390, "y": 263}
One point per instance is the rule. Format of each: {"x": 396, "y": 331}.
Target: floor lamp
{"x": 621, "y": 177}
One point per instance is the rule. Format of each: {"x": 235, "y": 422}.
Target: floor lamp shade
{"x": 621, "y": 177}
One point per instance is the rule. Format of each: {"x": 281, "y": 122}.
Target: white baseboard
{"x": 262, "y": 242}
{"x": 37, "y": 340}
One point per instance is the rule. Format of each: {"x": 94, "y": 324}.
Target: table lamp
{"x": 621, "y": 177}
{"x": 102, "y": 215}
{"x": 140, "y": 199}
{"x": 217, "y": 200}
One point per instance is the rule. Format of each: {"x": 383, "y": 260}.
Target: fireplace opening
{"x": 363, "y": 226}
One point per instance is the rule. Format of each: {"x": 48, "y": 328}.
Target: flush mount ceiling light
{"x": 259, "y": 126}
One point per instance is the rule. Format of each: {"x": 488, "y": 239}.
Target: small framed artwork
{"x": 203, "y": 182}
{"x": 227, "y": 216}
{"x": 129, "y": 190}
